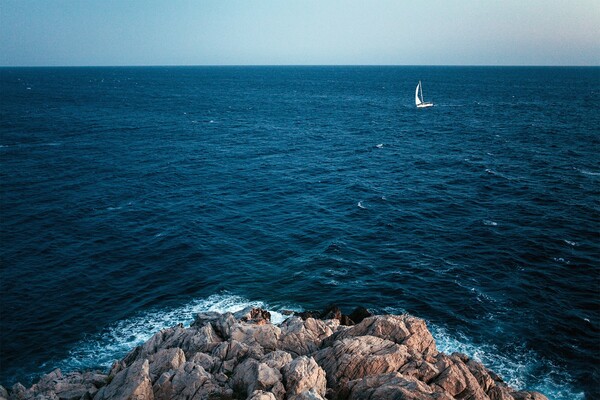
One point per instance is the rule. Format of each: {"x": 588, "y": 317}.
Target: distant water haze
{"x": 271, "y": 32}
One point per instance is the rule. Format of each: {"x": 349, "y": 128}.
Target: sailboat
{"x": 419, "y": 97}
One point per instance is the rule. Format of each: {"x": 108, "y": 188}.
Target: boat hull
{"x": 424, "y": 105}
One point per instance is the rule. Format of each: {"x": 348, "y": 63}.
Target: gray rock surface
{"x": 243, "y": 356}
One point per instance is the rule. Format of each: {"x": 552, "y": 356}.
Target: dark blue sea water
{"x": 133, "y": 197}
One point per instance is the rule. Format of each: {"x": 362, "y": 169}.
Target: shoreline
{"x": 310, "y": 355}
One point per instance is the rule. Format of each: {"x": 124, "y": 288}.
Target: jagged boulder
{"x": 265, "y": 336}
{"x": 277, "y": 359}
{"x": 252, "y": 375}
{"x": 401, "y": 329}
{"x": 55, "y": 385}
{"x": 390, "y": 386}
{"x": 302, "y": 337}
{"x": 189, "y": 381}
{"x": 303, "y": 374}
{"x": 357, "y": 357}
{"x": 132, "y": 383}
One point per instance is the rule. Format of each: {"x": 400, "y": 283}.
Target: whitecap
{"x": 360, "y": 205}
{"x": 116, "y": 340}
{"x": 379, "y": 146}
{"x": 488, "y": 222}
{"x": 590, "y": 173}
{"x": 570, "y": 243}
{"x": 337, "y": 272}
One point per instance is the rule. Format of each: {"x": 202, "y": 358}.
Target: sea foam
{"x": 100, "y": 350}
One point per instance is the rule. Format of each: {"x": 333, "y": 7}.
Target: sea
{"x": 133, "y": 197}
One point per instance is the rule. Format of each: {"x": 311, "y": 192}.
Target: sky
{"x": 294, "y": 32}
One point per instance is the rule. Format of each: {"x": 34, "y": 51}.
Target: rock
{"x": 276, "y": 359}
{"x": 526, "y": 395}
{"x": 253, "y": 315}
{"x": 266, "y": 336}
{"x": 253, "y": 375}
{"x": 95, "y": 378}
{"x": 484, "y": 379}
{"x": 357, "y": 357}
{"x": 332, "y": 312}
{"x": 18, "y": 391}
{"x": 3, "y": 393}
{"x": 261, "y": 395}
{"x": 132, "y": 383}
{"x": 165, "y": 360}
{"x": 420, "y": 369}
{"x": 55, "y": 385}
{"x": 458, "y": 379}
{"x": 302, "y": 375}
{"x": 401, "y": 329}
{"x": 359, "y": 314}
{"x": 497, "y": 393}
{"x": 390, "y": 386}
{"x": 302, "y": 337}
{"x": 189, "y": 381}
{"x": 206, "y": 361}
{"x": 229, "y": 354}
{"x": 307, "y": 395}
{"x": 204, "y": 318}
{"x": 190, "y": 340}
{"x": 221, "y": 323}
{"x": 309, "y": 314}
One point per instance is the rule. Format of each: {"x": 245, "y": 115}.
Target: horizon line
{"x": 303, "y": 65}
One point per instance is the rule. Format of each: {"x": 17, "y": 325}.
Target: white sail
{"x": 419, "y": 97}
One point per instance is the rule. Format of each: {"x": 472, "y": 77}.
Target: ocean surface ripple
{"x": 133, "y": 197}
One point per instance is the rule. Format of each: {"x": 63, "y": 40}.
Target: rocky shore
{"x": 310, "y": 356}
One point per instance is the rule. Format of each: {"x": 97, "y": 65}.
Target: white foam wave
{"x": 518, "y": 369}
{"x": 590, "y": 173}
{"x": 379, "y": 146}
{"x": 102, "y": 349}
{"x": 570, "y": 243}
{"x": 488, "y": 222}
{"x": 360, "y": 205}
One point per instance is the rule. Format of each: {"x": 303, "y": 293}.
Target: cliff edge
{"x": 310, "y": 356}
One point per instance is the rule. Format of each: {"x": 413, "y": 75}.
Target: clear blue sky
{"x": 209, "y": 32}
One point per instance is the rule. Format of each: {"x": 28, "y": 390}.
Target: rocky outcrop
{"x": 243, "y": 356}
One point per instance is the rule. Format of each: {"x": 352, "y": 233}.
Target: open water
{"x": 133, "y": 197}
